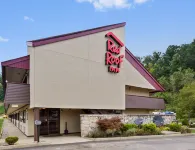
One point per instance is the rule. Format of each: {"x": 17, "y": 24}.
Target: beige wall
{"x": 134, "y": 78}
{"x": 72, "y": 117}
{"x": 136, "y": 111}
{"x": 72, "y": 74}
{"x": 30, "y": 122}
{"x": 129, "y": 90}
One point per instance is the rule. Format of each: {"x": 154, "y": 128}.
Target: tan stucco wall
{"x": 31, "y": 52}
{"x": 30, "y": 122}
{"x": 72, "y": 117}
{"x": 134, "y": 78}
{"x": 136, "y": 111}
{"x": 129, "y": 90}
{"x": 72, "y": 74}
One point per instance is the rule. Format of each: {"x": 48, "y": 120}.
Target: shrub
{"x": 11, "y": 140}
{"x": 157, "y": 131}
{"x": 175, "y": 127}
{"x": 131, "y": 126}
{"x": 130, "y": 132}
{"x": 96, "y": 134}
{"x": 140, "y": 132}
{"x": 192, "y": 125}
{"x": 113, "y": 124}
{"x": 110, "y": 132}
{"x": 149, "y": 128}
{"x": 185, "y": 129}
{"x": 126, "y": 127}
{"x": 185, "y": 122}
{"x": 189, "y": 130}
{"x": 164, "y": 128}
{"x": 118, "y": 133}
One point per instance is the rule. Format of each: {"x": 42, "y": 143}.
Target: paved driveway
{"x": 176, "y": 143}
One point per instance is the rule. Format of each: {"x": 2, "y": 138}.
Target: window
{"x": 21, "y": 116}
{"x": 25, "y": 79}
{"x": 24, "y": 116}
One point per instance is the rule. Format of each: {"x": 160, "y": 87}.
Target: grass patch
{"x": 193, "y": 131}
{"x": 2, "y": 110}
{"x": 1, "y": 124}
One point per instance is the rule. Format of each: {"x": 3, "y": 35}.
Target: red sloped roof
{"x": 49, "y": 40}
{"x": 21, "y": 62}
{"x": 143, "y": 71}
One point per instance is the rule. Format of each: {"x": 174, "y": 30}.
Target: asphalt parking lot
{"x": 172, "y": 143}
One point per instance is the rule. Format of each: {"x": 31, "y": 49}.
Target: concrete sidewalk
{"x": 10, "y": 129}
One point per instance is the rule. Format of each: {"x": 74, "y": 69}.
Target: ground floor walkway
{"x": 9, "y": 129}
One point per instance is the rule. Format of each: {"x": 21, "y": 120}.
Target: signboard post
{"x": 38, "y": 123}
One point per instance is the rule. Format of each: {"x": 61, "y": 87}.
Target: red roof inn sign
{"x": 113, "y": 57}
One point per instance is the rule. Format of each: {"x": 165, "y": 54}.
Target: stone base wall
{"x": 88, "y": 122}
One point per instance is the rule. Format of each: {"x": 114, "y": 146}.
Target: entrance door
{"x": 44, "y": 122}
{"x": 54, "y": 121}
{"x": 50, "y": 119}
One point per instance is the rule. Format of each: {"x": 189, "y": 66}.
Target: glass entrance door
{"x": 44, "y": 122}
{"x": 50, "y": 121}
{"x": 54, "y": 121}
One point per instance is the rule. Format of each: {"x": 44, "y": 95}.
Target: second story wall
{"x": 72, "y": 74}
{"x": 129, "y": 90}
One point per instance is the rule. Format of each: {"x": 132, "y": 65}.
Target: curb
{"x": 138, "y": 137}
{"x": 92, "y": 140}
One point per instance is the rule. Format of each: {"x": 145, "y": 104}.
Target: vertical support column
{"x": 36, "y": 128}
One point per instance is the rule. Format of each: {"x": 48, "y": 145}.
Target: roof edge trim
{"x": 53, "y": 39}
{"x": 144, "y": 72}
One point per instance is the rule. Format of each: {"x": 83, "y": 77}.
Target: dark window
{"x": 24, "y": 116}
{"x": 21, "y": 116}
{"x": 25, "y": 79}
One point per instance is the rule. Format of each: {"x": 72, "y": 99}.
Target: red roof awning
{"x": 21, "y": 62}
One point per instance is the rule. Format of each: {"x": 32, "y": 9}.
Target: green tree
{"x": 186, "y": 101}
{"x": 180, "y": 78}
{"x": 175, "y": 70}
